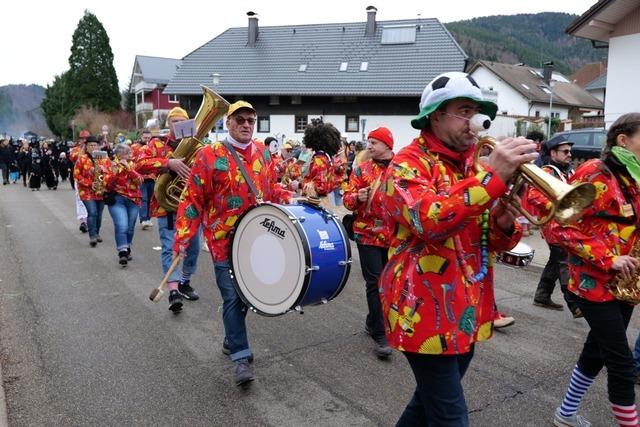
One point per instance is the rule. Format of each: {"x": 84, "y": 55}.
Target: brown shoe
{"x": 577, "y": 313}
{"x": 548, "y": 304}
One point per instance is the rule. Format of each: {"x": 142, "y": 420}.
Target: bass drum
{"x": 285, "y": 257}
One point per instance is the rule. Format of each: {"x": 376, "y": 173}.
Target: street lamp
{"x": 216, "y": 81}
{"x": 548, "y": 79}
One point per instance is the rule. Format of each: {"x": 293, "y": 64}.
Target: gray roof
{"x": 157, "y": 70}
{"x": 597, "y": 83}
{"x": 272, "y": 66}
{"x": 529, "y": 83}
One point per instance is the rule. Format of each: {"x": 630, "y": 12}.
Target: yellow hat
{"x": 287, "y": 146}
{"x": 177, "y": 112}
{"x": 237, "y": 106}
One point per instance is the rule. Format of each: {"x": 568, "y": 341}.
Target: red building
{"x": 148, "y": 80}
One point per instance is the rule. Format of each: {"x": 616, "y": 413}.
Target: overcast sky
{"x": 36, "y": 35}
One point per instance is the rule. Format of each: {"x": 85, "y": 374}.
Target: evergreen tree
{"x": 91, "y": 69}
{"x": 58, "y": 105}
{"x": 129, "y": 99}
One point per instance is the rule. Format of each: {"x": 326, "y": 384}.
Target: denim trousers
{"x": 607, "y": 345}
{"x": 123, "y": 213}
{"x": 94, "y": 215}
{"x": 438, "y": 400}
{"x": 234, "y": 312}
{"x": 372, "y": 261}
{"x": 166, "y": 231}
{"x": 147, "y": 192}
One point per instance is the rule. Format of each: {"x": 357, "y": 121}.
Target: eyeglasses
{"x": 240, "y": 120}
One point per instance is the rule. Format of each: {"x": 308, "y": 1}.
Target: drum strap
{"x": 243, "y": 170}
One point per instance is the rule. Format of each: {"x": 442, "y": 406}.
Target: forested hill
{"x": 528, "y": 38}
{"x": 20, "y": 110}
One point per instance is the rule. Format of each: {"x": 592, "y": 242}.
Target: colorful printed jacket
{"x": 322, "y": 176}
{"x": 84, "y": 174}
{"x": 606, "y": 230}
{"x": 217, "y": 195}
{"x": 75, "y": 153}
{"x": 373, "y": 227}
{"x": 124, "y": 180}
{"x": 292, "y": 172}
{"x": 136, "y": 150}
{"x": 539, "y": 205}
{"x": 429, "y": 304}
{"x": 153, "y": 159}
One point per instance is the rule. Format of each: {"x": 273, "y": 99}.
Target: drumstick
{"x": 156, "y": 293}
{"x": 374, "y": 188}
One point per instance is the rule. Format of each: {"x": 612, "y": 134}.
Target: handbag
{"x": 347, "y": 222}
{"x": 109, "y": 198}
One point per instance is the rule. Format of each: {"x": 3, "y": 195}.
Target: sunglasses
{"x": 565, "y": 151}
{"x": 240, "y": 120}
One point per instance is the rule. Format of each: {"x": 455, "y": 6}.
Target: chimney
{"x": 547, "y": 72}
{"x": 371, "y": 21}
{"x": 253, "y": 29}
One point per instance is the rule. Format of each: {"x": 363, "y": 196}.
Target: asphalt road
{"x": 81, "y": 344}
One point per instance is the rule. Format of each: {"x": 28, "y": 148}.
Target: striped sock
{"x": 185, "y": 276}
{"x": 625, "y": 415}
{"x": 578, "y": 386}
{"x": 172, "y": 286}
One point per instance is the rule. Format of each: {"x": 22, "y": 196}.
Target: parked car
{"x": 587, "y": 143}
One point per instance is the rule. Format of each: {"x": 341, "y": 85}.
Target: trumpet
{"x": 98, "y": 184}
{"x": 568, "y": 201}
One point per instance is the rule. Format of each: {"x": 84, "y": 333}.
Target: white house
{"x": 522, "y": 91}
{"x": 355, "y": 75}
{"x": 615, "y": 23}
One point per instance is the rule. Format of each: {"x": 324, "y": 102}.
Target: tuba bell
{"x": 568, "y": 201}
{"x": 169, "y": 186}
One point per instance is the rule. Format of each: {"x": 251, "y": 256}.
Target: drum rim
{"x": 307, "y": 258}
{"x": 347, "y": 246}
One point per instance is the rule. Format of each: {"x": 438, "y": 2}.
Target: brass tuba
{"x": 98, "y": 184}
{"x": 628, "y": 290}
{"x": 169, "y": 186}
{"x": 568, "y": 201}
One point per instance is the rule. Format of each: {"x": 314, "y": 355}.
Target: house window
{"x": 364, "y": 66}
{"x": 302, "y": 68}
{"x": 264, "y": 125}
{"x": 525, "y": 86}
{"x": 555, "y": 115}
{"x": 274, "y": 100}
{"x": 300, "y": 123}
{"x": 139, "y": 97}
{"x": 173, "y": 98}
{"x": 296, "y": 100}
{"x": 352, "y": 124}
{"x": 343, "y": 66}
{"x": 537, "y": 113}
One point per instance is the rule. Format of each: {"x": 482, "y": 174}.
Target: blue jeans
{"x": 147, "y": 192}
{"x": 123, "y": 213}
{"x": 94, "y": 216}
{"x": 234, "y": 312}
{"x": 438, "y": 399}
{"x": 190, "y": 262}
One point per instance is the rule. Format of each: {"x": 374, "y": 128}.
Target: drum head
{"x": 521, "y": 249}
{"x": 269, "y": 260}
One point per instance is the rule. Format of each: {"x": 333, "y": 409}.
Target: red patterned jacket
{"x": 292, "y": 172}
{"x": 124, "y": 180}
{"x": 84, "y": 175}
{"x": 323, "y": 175}
{"x": 217, "y": 195}
{"x": 539, "y": 205}
{"x": 608, "y": 229}
{"x": 429, "y": 304}
{"x": 374, "y": 227}
{"x": 153, "y": 159}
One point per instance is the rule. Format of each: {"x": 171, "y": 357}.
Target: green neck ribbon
{"x": 630, "y": 160}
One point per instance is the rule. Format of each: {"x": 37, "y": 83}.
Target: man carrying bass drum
{"x": 216, "y": 196}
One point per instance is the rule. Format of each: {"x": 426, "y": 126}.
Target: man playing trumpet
{"x": 437, "y": 287}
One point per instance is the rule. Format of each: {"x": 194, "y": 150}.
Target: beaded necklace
{"x": 484, "y": 241}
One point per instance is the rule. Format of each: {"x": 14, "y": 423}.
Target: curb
{"x": 3, "y": 404}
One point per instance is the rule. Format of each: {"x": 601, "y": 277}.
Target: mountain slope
{"x": 529, "y": 38}
{"x": 20, "y": 110}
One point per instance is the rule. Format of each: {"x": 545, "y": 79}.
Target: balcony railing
{"x": 144, "y": 106}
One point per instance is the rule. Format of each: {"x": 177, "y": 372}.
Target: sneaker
{"x": 122, "y": 255}
{"x": 382, "y": 350}
{"x": 175, "y": 301}
{"x": 576, "y": 420}
{"x": 548, "y": 304}
{"x": 99, "y": 238}
{"x": 129, "y": 257}
{"x": 93, "y": 242}
{"x": 83, "y": 227}
{"x": 145, "y": 225}
{"x": 187, "y": 291}
{"x": 149, "y": 223}
{"x": 502, "y": 321}
{"x": 577, "y": 313}
{"x": 244, "y": 373}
